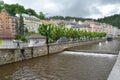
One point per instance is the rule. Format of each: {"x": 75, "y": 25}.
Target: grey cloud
{"x": 114, "y": 11}
{"x": 81, "y": 8}
{"x": 105, "y": 2}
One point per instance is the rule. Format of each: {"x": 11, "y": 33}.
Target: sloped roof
{"x": 37, "y": 36}
{"x": 28, "y": 16}
{"x": 6, "y": 35}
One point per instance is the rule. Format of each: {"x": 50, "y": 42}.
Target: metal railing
{"x": 10, "y": 46}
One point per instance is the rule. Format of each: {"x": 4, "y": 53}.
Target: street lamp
{"x": 47, "y": 39}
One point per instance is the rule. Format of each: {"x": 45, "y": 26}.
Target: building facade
{"x": 31, "y": 22}
{"x": 7, "y": 22}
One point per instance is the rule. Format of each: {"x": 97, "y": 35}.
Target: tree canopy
{"x": 55, "y": 32}
{"x": 113, "y": 20}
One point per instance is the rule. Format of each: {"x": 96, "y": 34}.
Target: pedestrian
{"x": 18, "y": 45}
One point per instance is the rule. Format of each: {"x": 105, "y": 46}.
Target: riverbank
{"x": 16, "y": 54}
{"x": 115, "y": 73}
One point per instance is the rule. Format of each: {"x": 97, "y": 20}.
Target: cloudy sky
{"x": 78, "y": 8}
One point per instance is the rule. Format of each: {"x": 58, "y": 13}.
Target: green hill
{"x": 113, "y": 20}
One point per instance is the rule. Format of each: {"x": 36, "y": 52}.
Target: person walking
{"x": 18, "y": 45}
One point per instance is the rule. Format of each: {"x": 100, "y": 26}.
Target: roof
{"x": 37, "y": 36}
{"x": 6, "y": 35}
{"x": 28, "y": 16}
{"x": 4, "y": 10}
{"x": 46, "y": 21}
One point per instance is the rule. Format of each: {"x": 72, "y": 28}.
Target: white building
{"x": 6, "y": 40}
{"x": 31, "y": 22}
{"x": 115, "y": 31}
{"x": 36, "y": 40}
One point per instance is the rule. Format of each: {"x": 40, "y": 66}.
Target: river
{"x": 67, "y": 65}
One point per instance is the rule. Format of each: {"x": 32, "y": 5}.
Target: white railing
{"x": 13, "y": 46}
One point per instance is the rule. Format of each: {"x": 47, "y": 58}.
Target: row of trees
{"x": 68, "y": 18}
{"x": 55, "y": 32}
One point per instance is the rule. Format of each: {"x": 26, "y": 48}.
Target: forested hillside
{"x": 113, "y": 20}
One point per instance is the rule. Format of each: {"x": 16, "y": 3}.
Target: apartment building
{"x": 31, "y": 22}
{"x": 7, "y": 22}
{"x": 95, "y": 26}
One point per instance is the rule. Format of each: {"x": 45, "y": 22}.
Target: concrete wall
{"x": 14, "y": 55}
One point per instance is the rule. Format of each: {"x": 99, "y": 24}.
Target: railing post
{"x": 47, "y": 45}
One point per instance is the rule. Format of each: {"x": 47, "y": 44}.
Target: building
{"x": 31, "y": 22}
{"x": 36, "y": 39}
{"x": 7, "y": 22}
{"x": 95, "y": 26}
{"x": 6, "y": 39}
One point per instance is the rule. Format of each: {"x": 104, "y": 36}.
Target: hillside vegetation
{"x": 113, "y": 20}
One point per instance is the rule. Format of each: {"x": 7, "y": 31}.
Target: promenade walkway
{"x": 115, "y": 73}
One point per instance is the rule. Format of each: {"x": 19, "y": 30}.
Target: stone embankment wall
{"x": 14, "y": 55}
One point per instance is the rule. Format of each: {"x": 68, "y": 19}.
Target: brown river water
{"x": 67, "y": 65}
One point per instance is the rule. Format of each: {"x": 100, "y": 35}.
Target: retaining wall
{"x": 14, "y": 55}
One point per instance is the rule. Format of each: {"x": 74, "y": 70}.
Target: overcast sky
{"x": 78, "y": 8}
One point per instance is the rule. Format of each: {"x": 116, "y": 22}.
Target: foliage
{"x": 21, "y": 25}
{"x": 113, "y": 20}
{"x": 21, "y": 31}
{"x": 20, "y": 37}
{"x": 55, "y": 32}
{"x": 31, "y": 12}
{"x": 15, "y": 9}
{"x": 41, "y": 15}
{"x": 68, "y": 18}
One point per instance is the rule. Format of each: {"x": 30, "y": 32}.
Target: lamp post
{"x": 47, "y": 39}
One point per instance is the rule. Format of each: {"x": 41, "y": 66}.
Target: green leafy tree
{"x": 14, "y": 9}
{"x": 41, "y": 15}
{"x": 31, "y": 12}
{"x": 21, "y": 25}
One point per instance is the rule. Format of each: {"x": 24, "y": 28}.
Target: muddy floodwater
{"x": 67, "y": 65}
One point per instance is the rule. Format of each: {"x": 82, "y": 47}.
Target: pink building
{"x": 7, "y": 23}
{"x": 94, "y": 26}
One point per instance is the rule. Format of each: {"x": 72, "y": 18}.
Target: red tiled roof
{"x": 6, "y": 35}
{"x": 46, "y": 21}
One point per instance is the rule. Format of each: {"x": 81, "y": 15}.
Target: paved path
{"x": 115, "y": 73}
